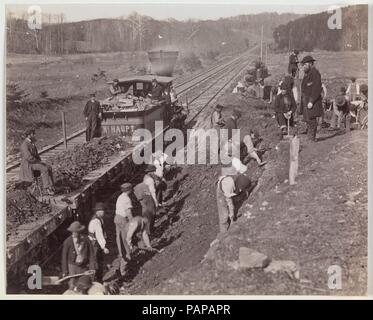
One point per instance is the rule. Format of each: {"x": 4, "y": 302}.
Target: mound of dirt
{"x": 21, "y": 208}
{"x": 71, "y": 166}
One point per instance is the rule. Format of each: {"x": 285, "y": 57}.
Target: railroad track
{"x": 183, "y": 88}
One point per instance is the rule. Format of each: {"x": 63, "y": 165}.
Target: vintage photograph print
{"x": 186, "y": 149}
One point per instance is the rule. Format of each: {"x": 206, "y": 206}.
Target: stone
{"x": 249, "y": 258}
{"x": 264, "y": 203}
{"x": 235, "y": 265}
{"x": 286, "y": 266}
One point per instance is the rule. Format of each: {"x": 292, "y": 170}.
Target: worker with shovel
{"x": 227, "y": 188}
{"x": 285, "y": 107}
{"x": 139, "y": 225}
{"x": 77, "y": 253}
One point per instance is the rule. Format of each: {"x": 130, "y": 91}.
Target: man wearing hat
{"x": 123, "y": 214}
{"x": 311, "y": 102}
{"x": 115, "y": 88}
{"x": 154, "y": 184}
{"x": 227, "y": 188}
{"x": 217, "y": 120}
{"x": 138, "y": 225}
{"x": 341, "y": 112}
{"x": 179, "y": 116}
{"x": 353, "y": 89}
{"x": 77, "y": 253}
{"x": 293, "y": 63}
{"x": 148, "y": 208}
{"x": 31, "y": 161}
{"x": 97, "y": 235}
{"x": 92, "y": 114}
{"x": 285, "y": 107}
{"x": 229, "y": 146}
{"x": 156, "y": 91}
{"x": 250, "y": 148}
{"x": 231, "y": 123}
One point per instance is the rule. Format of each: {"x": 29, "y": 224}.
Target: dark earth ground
{"x": 316, "y": 224}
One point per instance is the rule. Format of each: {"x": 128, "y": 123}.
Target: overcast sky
{"x": 177, "y": 9}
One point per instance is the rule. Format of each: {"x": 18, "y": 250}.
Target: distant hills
{"x": 312, "y": 32}
{"x": 137, "y": 32}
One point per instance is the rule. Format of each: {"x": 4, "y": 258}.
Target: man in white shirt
{"x": 353, "y": 89}
{"x": 97, "y": 236}
{"x": 227, "y": 188}
{"x": 159, "y": 162}
{"x": 123, "y": 213}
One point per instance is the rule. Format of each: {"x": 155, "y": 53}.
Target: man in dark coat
{"x": 285, "y": 107}
{"x": 30, "y": 162}
{"x": 293, "y": 63}
{"x": 311, "y": 102}
{"x": 231, "y": 123}
{"x": 156, "y": 91}
{"x": 92, "y": 114}
{"x": 78, "y": 254}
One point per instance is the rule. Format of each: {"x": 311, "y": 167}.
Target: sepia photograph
{"x": 183, "y": 149}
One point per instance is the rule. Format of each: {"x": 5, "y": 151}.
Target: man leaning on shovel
{"x": 77, "y": 253}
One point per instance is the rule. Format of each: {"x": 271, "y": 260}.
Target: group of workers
{"x": 136, "y": 206}
{"x": 134, "y": 219}
{"x": 313, "y": 101}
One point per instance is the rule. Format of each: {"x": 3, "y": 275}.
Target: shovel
{"x": 55, "y": 281}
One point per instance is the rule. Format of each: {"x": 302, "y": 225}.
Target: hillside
{"x": 137, "y": 32}
{"x": 312, "y": 32}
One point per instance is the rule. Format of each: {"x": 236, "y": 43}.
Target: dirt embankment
{"x": 319, "y": 223}
{"x": 191, "y": 223}
{"x": 304, "y": 229}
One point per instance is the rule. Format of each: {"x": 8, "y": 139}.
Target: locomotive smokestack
{"x": 162, "y": 62}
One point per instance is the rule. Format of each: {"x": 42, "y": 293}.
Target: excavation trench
{"x": 184, "y": 228}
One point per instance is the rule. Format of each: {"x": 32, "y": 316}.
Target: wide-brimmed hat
{"x": 218, "y": 107}
{"x": 126, "y": 186}
{"x": 84, "y": 283}
{"x": 99, "y": 206}
{"x": 307, "y": 59}
{"x": 364, "y": 87}
{"x": 92, "y": 94}
{"x": 150, "y": 168}
{"x": 340, "y": 100}
{"x": 76, "y": 226}
{"x": 115, "y": 80}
